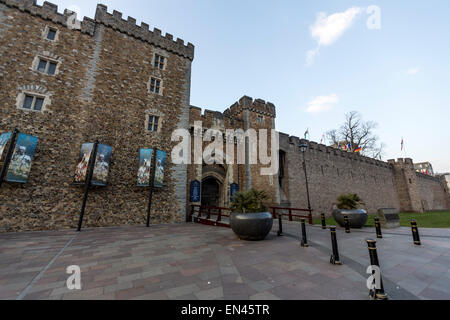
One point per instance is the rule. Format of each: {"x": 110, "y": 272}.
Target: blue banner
{"x": 234, "y": 188}
{"x": 145, "y": 167}
{"x": 20, "y": 165}
{"x": 4, "y": 138}
{"x": 195, "y": 191}
{"x": 160, "y": 165}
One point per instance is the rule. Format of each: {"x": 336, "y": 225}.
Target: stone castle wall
{"x": 331, "y": 173}
{"x": 432, "y": 192}
{"x": 100, "y": 92}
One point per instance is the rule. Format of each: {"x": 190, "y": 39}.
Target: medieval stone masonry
{"x": 129, "y": 87}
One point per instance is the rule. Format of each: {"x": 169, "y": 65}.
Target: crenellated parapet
{"x": 258, "y": 106}
{"x": 49, "y": 11}
{"x": 295, "y": 142}
{"x": 142, "y": 32}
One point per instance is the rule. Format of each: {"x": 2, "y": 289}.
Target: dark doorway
{"x": 210, "y": 192}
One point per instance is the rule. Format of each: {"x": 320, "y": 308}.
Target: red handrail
{"x": 220, "y": 214}
{"x": 291, "y": 215}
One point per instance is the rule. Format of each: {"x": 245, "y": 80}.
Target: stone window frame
{"x": 35, "y": 92}
{"x": 161, "y": 85}
{"x": 153, "y": 113}
{"x": 46, "y": 32}
{"x": 162, "y": 54}
{"x": 49, "y": 58}
{"x": 157, "y": 64}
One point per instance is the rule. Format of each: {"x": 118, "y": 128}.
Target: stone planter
{"x": 251, "y": 226}
{"x": 357, "y": 218}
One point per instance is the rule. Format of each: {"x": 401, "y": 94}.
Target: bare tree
{"x": 359, "y": 134}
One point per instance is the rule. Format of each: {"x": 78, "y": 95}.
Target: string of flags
{"x": 307, "y": 133}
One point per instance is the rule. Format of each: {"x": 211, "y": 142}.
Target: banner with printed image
{"x": 161, "y": 157}
{"x": 101, "y": 166}
{"x": 145, "y": 167}
{"x": 4, "y": 138}
{"x": 83, "y": 163}
{"x": 20, "y": 164}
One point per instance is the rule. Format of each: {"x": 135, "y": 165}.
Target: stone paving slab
{"x": 191, "y": 261}
{"x": 422, "y": 271}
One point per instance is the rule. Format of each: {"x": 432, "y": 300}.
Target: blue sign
{"x": 195, "y": 191}
{"x": 234, "y": 188}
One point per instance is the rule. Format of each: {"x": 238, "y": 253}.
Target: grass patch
{"x": 439, "y": 219}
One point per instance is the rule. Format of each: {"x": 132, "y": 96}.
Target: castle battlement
{"x": 247, "y": 103}
{"x": 142, "y": 32}
{"x": 317, "y": 147}
{"x": 49, "y": 11}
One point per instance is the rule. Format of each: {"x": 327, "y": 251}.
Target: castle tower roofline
{"x": 49, "y": 11}
{"x": 142, "y": 32}
{"x": 258, "y": 106}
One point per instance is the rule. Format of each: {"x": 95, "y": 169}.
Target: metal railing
{"x": 205, "y": 215}
{"x": 277, "y": 211}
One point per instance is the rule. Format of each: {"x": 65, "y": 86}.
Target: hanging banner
{"x": 20, "y": 165}
{"x": 195, "y": 191}
{"x": 83, "y": 163}
{"x": 101, "y": 166}
{"x": 161, "y": 157}
{"x": 145, "y": 167}
{"x": 4, "y": 138}
{"x": 234, "y": 188}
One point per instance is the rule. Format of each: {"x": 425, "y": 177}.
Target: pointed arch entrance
{"x": 214, "y": 187}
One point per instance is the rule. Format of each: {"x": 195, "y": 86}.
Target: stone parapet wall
{"x": 331, "y": 173}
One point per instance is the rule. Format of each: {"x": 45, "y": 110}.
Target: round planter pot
{"x": 357, "y": 218}
{"x": 251, "y": 226}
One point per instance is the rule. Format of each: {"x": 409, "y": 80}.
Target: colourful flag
{"x": 403, "y": 144}
{"x": 348, "y": 147}
{"x": 306, "y": 133}
{"x": 359, "y": 149}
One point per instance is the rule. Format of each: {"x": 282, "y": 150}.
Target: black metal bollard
{"x": 280, "y": 224}
{"x": 415, "y": 232}
{"x": 347, "y": 224}
{"x": 377, "y": 293}
{"x": 304, "y": 242}
{"x": 335, "y": 256}
{"x": 324, "y": 222}
{"x": 378, "y": 227}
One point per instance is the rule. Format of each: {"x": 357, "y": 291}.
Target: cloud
{"x": 413, "y": 71}
{"x": 328, "y": 29}
{"x": 322, "y": 103}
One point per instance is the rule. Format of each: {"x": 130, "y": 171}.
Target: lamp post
{"x": 303, "y": 149}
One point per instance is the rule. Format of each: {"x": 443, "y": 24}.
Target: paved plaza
{"x": 192, "y": 261}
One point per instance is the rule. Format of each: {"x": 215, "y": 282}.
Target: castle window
{"x": 51, "y": 34}
{"x": 260, "y": 119}
{"x": 34, "y": 103}
{"x": 155, "y": 86}
{"x": 152, "y": 123}
{"x": 159, "y": 62}
{"x": 33, "y": 98}
{"x": 46, "y": 66}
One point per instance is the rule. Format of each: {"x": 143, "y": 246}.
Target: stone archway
{"x": 211, "y": 192}
{"x": 214, "y": 186}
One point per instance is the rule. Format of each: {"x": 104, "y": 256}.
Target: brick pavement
{"x": 191, "y": 262}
